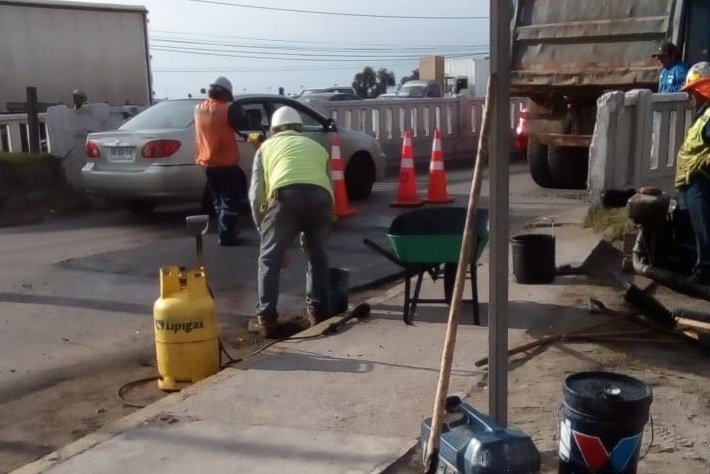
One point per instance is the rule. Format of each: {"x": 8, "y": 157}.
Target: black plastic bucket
{"x": 338, "y": 298}
{"x": 602, "y": 418}
{"x": 534, "y": 258}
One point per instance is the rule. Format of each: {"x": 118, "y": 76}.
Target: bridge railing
{"x": 15, "y": 134}
{"x": 458, "y": 118}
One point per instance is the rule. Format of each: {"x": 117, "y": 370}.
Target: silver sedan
{"x": 150, "y": 159}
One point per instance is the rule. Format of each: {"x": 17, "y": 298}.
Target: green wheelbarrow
{"x": 429, "y": 241}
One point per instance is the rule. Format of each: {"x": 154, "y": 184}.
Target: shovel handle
{"x": 554, "y": 337}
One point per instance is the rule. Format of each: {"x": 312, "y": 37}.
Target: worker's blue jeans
{"x": 697, "y": 199}
{"x": 226, "y": 184}
{"x": 297, "y": 208}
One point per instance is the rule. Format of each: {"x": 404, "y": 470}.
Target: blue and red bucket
{"x": 602, "y": 420}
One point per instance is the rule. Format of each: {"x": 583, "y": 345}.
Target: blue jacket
{"x": 672, "y": 78}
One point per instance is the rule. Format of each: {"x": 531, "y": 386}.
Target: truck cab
{"x": 566, "y": 54}
{"x": 420, "y": 89}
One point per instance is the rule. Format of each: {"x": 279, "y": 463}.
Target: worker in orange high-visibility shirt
{"x": 217, "y": 119}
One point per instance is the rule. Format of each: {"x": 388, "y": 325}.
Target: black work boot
{"x": 266, "y": 328}
{"x": 314, "y": 317}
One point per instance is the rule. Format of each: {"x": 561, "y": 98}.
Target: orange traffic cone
{"x": 437, "y": 177}
{"x": 342, "y": 207}
{"x": 407, "y": 190}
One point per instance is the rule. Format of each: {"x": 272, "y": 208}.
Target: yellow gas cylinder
{"x": 186, "y": 331}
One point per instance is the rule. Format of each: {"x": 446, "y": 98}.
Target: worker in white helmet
{"x": 693, "y": 168}
{"x": 290, "y": 193}
{"x": 217, "y": 119}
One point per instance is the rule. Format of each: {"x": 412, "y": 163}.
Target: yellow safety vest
{"x": 289, "y": 158}
{"x": 693, "y": 153}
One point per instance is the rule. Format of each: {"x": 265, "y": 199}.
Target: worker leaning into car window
{"x": 693, "y": 168}
{"x": 216, "y": 122}
{"x": 290, "y": 192}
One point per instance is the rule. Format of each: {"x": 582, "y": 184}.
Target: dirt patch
{"x": 675, "y": 440}
{"x": 46, "y": 420}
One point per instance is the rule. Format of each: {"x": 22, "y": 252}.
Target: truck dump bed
{"x": 594, "y": 44}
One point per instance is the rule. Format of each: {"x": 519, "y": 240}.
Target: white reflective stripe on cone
{"x": 407, "y": 163}
{"x": 337, "y": 175}
{"x": 436, "y": 166}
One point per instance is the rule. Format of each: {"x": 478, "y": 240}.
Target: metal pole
{"x": 500, "y": 12}
{"x": 32, "y": 119}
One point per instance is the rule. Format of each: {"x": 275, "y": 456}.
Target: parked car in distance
{"x": 323, "y": 90}
{"x": 388, "y": 95}
{"x": 150, "y": 159}
{"x": 329, "y": 96}
{"x": 421, "y": 88}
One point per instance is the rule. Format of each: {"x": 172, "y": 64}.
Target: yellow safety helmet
{"x": 698, "y": 78}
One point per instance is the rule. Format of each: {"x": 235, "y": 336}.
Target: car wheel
{"x": 359, "y": 176}
{"x": 568, "y": 166}
{"x": 537, "y": 163}
{"x": 143, "y": 206}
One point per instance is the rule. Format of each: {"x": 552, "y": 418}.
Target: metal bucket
{"x": 338, "y": 298}
{"x": 534, "y": 257}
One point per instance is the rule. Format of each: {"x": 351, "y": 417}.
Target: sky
{"x": 261, "y": 45}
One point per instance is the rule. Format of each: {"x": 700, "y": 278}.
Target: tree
{"x": 385, "y": 79}
{"x": 369, "y": 83}
{"x": 413, "y": 77}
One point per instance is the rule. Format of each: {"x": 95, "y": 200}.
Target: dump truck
{"x": 567, "y": 53}
{"x": 57, "y": 47}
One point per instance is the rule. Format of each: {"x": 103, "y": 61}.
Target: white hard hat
{"x": 285, "y": 116}
{"x": 79, "y": 92}
{"x": 223, "y": 83}
{"x": 697, "y": 72}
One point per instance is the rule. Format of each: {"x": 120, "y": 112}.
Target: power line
{"x": 413, "y": 49}
{"x": 360, "y": 15}
{"x": 192, "y": 35}
{"x": 282, "y": 57}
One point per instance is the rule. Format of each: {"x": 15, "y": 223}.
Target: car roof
{"x": 328, "y": 95}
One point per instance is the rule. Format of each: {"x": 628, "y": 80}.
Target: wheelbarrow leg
{"x": 407, "y": 316}
{"x": 473, "y": 268}
{"x": 449, "y": 280}
{"x": 415, "y": 299}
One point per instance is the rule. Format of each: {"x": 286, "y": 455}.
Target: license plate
{"x": 122, "y": 154}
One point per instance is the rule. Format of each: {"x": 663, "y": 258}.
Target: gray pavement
{"x": 348, "y": 403}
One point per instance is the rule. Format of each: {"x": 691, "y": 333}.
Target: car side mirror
{"x": 330, "y": 125}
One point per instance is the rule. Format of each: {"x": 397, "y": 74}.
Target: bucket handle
{"x": 543, "y": 219}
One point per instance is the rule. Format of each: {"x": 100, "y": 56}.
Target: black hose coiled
{"x": 677, "y": 283}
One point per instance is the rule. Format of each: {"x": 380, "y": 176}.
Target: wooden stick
{"x": 432, "y": 450}
{"x": 691, "y": 323}
{"x": 556, "y": 337}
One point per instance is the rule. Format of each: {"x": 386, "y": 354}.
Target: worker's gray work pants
{"x": 297, "y": 208}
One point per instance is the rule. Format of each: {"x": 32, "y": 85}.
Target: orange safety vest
{"x": 215, "y": 140}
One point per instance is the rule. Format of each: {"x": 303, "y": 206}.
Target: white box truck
{"x": 57, "y": 47}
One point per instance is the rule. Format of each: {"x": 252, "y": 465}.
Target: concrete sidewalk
{"x": 348, "y": 403}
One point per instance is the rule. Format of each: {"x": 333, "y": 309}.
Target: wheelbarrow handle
{"x": 386, "y": 253}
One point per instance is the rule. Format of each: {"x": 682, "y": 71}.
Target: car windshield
{"x": 168, "y": 114}
{"x": 412, "y": 91}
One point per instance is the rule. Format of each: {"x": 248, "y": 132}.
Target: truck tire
{"x": 568, "y": 166}
{"x": 537, "y": 163}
